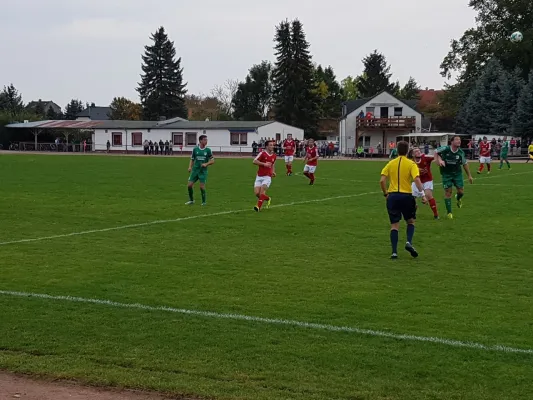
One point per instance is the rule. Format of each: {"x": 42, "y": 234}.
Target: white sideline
{"x": 166, "y": 221}
{"x": 275, "y": 321}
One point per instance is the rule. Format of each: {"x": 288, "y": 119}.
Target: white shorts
{"x": 288, "y": 159}
{"x": 426, "y": 185}
{"x": 484, "y": 160}
{"x": 261, "y": 181}
{"x": 310, "y": 168}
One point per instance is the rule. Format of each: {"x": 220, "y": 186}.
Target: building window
{"x": 364, "y": 141}
{"x": 136, "y": 139}
{"x": 370, "y": 110}
{"x": 117, "y": 138}
{"x": 398, "y": 111}
{"x": 177, "y": 138}
{"x": 239, "y": 139}
{"x": 191, "y": 138}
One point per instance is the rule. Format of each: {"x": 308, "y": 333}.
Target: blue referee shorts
{"x": 401, "y": 205}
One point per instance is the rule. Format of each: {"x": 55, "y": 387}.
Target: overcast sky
{"x": 91, "y": 49}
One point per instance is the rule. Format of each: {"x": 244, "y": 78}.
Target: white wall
{"x": 218, "y": 140}
{"x": 349, "y": 124}
{"x": 269, "y": 131}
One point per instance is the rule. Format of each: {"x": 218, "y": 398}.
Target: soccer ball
{"x": 516, "y": 37}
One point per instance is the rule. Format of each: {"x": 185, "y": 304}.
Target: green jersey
{"x": 505, "y": 148}
{"x": 393, "y": 154}
{"x": 454, "y": 160}
{"x": 201, "y": 156}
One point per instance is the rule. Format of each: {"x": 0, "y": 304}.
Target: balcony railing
{"x": 405, "y": 123}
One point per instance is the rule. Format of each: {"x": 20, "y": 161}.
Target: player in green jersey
{"x": 202, "y": 157}
{"x": 503, "y": 153}
{"x": 451, "y": 159}
{"x": 393, "y": 154}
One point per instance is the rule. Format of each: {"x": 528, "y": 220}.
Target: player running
{"x": 504, "y": 153}
{"x": 451, "y": 159}
{"x": 265, "y": 160}
{"x": 424, "y": 166}
{"x": 311, "y": 161}
{"x": 202, "y": 157}
{"x": 289, "y": 146}
{"x": 484, "y": 155}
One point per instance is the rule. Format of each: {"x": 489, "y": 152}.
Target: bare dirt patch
{"x": 26, "y": 388}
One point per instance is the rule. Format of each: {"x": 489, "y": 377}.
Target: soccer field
{"x": 108, "y": 278}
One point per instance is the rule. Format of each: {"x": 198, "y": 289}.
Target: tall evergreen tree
{"x": 411, "y": 90}
{"x": 39, "y": 109}
{"x": 294, "y": 85}
{"x": 376, "y": 76}
{"x": 488, "y": 107}
{"x": 523, "y": 118}
{"x": 11, "y": 100}
{"x": 282, "y": 84}
{"x": 161, "y": 89}
{"x": 73, "y": 109}
{"x": 51, "y": 114}
{"x": 253, "y": 97}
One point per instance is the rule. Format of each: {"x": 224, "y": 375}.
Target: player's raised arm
{"x": 438, "y": 160}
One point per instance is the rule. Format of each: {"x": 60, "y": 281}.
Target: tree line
{"x": 293, "y": 90}
{"x": 492, "y": 93}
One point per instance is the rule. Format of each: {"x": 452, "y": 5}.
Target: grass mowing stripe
{"x": 275, "y": 321}
{"x": 166, "y": 221}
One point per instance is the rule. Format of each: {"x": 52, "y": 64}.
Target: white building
{"x": 391, "y": 118}
{"x": 223, "y": 136}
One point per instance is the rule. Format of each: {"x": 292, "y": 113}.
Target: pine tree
{"x": 411, "y": 90}
{"x": 488, "y": 108}
{"x": 11, "y": 100}
{"x": 161, "y": 89}
{"x": 306, "y": 110}
{"x": 282, "y": 83}
{"x": 523, "y": 118}
{"x": 73, "y": 109}
{"x": 376, "y": 78}
{"x": 51, "y": 114}
{"x": 39, "y": 109}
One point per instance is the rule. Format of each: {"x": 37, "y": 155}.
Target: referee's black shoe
{"x": 409, "y": 247}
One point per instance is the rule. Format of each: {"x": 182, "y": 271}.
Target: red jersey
{"x": 484, "y": 149}
{"x": 264, "y": 157}
{"x": 424, "y": 166}
{"x": 312, "y": 153}
{"x": 289, "y": 146}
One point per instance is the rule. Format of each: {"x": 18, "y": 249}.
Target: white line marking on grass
{"x": 276, "y": 321}
{"x": 167, "y": 221}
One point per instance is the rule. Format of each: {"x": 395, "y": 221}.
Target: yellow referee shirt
{"x": 530, "y": 148}
{"x": 400, "y": 172}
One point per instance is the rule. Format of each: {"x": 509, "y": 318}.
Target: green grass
{"x": 324, "y": 262}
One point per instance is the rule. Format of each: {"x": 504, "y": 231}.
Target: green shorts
{"x": 449, "y": 181}
{"x": 503, "y": 156}
{"x": 198, "y": 175}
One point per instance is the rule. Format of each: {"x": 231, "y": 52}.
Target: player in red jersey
{"x": 311, "y": 161}
{"x": 484, "y": 155}
{"x": 424, "y": 166}
{"x": 265, "y": 160}
{"x": 289, "y": 147}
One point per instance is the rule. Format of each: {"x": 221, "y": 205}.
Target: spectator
{"x": 161, "y": 146}
{"x": 331, "y": 149}
{"x": 167, "y": 148}
{"x": 254, "y": 148}
{"x": 151, "y": 147}
{"x": 170, "y": 148}
{"x": 108, "y": 145}
{"x": 146, "y": 146}
{"x": 156, "y": 147}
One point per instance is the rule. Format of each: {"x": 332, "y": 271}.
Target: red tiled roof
{"x": 429, "y": 96}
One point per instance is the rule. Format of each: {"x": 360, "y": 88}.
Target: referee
{"x": 400, "y": 172}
